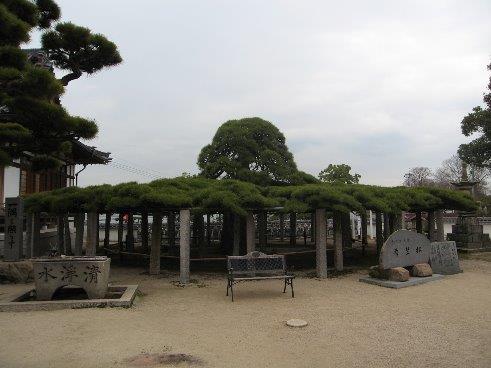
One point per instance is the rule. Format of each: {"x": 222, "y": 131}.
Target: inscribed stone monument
{"x": 13, "y": 241}
{"x": 404, "y": 248}
{"x": 444, "y": 259}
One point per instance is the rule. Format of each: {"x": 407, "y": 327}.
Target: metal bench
{"x": 257, "y": 266}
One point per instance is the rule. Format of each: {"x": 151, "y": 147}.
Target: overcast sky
{"x": 379, "y": 85}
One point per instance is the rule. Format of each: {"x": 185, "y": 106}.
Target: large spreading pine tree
{"x": 32, "y": 120}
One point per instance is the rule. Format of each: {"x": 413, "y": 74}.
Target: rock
{"x": 422, "y": 270}
{"x": 404, "y": 248}
{"x": 378, "y": 272}
{"x": 15, "y": 272}
{"x": 398, "y": 274}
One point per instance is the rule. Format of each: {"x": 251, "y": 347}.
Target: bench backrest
{"x": 257, "y": 263}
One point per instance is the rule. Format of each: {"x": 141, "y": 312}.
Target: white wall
{"x": 11, "y": 182}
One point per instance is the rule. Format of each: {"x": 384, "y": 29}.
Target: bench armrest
{"x": 230, "y": 273}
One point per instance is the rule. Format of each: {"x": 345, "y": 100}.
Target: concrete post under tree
{"x": 370, "y": 224}
{"x": 236, "y": 247}
{"x": 338, "y": 241}
{"x": 440, "y": 232}
{"x": 431, "y": 226}
{"x": 250, "y": 233}
{"x": 91, "y": 246}
{"x": 154, "y": 268}
{"x": 419, "y": 222}
{"x": 79, "y": 233}
{"x": 185, "y": 244}
{"x": 378, "y": 231}
{"x": 320, "y": 242}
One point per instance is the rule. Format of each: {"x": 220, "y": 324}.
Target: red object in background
{"x": 125, "y": 217}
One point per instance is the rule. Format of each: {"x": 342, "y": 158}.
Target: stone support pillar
{"x": 250, "y": 233}
{"x": 440, "y": 232}
{"x": 79, "y": 233}
{"x": 320, "y": 243}
{"x": 154, "y": 267}
{"x": 431, "y": 226}
{"x": 370, "y": 224}
{"x": 419, "y": 222}
{"x": 338, "y": 241}
{"x": 184, "y": 244}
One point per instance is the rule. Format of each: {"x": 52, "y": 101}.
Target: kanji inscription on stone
{"x": 404, "y": 248}
{"x": 444, "y": 258}
{"x": 13, "y": 242}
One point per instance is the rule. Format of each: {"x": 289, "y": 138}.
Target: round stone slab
{"x": 296, "y": 323}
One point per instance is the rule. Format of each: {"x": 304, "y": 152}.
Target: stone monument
{"x": 13, "y": 240}
{"x": 404, "y": 248}
{"x": 444, "y": 258}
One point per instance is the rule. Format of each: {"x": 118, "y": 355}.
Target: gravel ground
{"x": 445, "y": 323}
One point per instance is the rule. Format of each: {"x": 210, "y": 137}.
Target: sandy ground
{"x": 446, "y": 323}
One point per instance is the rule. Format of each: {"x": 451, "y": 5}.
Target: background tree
{"x": 418, "y": 177}
{"x": 31, "y": 119}
{"x": 451, "y": 172}
{"x": 253, "y": 150}
{"x": 478, "y": 151}
{"x": 339, "y": 174}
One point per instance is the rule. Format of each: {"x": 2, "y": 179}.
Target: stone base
{"x": 117, "y": 296}
{"x": 16, "y": 272}
{"x": 399, "y": 285}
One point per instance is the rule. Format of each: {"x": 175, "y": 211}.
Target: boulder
{"x": 15, "y": 272}
{"x": 378, "y": 272}
{"x": 422, "y": 270}
{"x": 398, "y": 274}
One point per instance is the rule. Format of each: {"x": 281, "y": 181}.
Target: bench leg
{"x": 232, "y": 290}
{"x": 284, "y": 289}
{"x": 228, "y": 286}
{"x": 291, "y": 285}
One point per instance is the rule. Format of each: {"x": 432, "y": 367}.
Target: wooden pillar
{"x": 282, "y": 226}
{"x": 440, "y": 232}
{"x": 185, "y": 244}
{"x": 378, "y": 231}
{"x": 293, "y": 228}
{"x": 364, "y": 237}
{"x": 144, "y": 231}
{"x": 431, "y": 226}
{"x": 120, "y": 232}
{"x": 91, "y": 245}
{"x": 419, "y": 222}
{"x": 251, "y": 233}
{"x": 320, "y": 243}
{"x": 107, "y": 229}
{"x": 79, "y": 233}
{"x": 67, "y": 238}
{"x": 236, "y": 248}
{"x": 338, "y": 241}
{"x": 154, "y": 268}
{"x": 60, "y": 246}
{"x": 130, "y": 238}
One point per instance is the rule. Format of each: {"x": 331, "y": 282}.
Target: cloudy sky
{"x": 379, "y": 85}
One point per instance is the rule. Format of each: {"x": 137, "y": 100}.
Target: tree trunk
{"x": 386, "y": 226}
{"x": 262, "y": 222}
{"x": 130, "y": 238}
{"x": 250, "y": 233}
{"x": 364, "y": 237}
{"x": 120, "y": 232}
{"x": 320, "y": 243}
{"x": 184, "y": 245}
{"x": 171, "y": 228}
{"x": 236, "y": 247}
{"x": 440, "y": 232}
{"x": 346, "y": 229}
{"x": 431, "y": 226}
{"x": 293, "y": 229}
{"x": 338, "y": 240}
{"x": 144, "y": 231}
{"x": 107, "y": 229}
{"x": 378, "y": 231}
